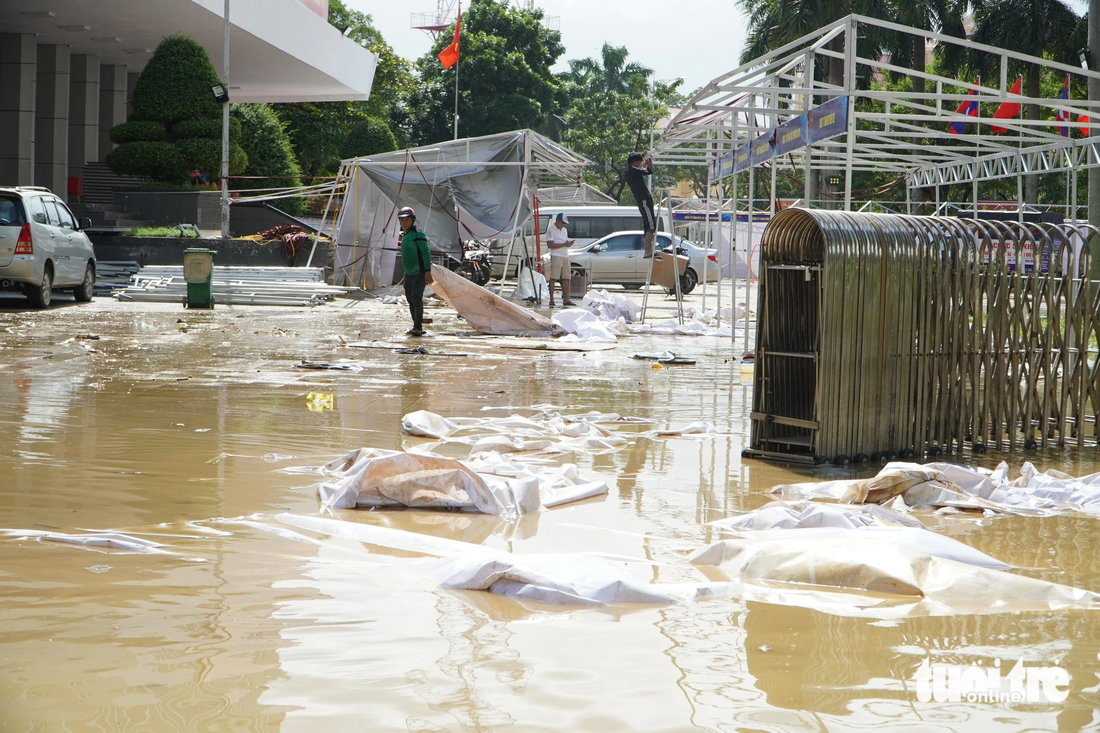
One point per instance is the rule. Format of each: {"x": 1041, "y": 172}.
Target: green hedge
{"x": 207, "y": 127}
{"x": 369, "y": 137}
{"x": 176, "y": 83}
{"x": 138, "y": 130}
{"x": 206, "y": 155}
{"x": 264, "y": 139}
{"x": 159, "y": 160}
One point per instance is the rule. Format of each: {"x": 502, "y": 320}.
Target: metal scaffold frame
{"x": 778, "y": 87}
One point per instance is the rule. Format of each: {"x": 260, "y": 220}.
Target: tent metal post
{"x": 706, "y": 234}
{"x": 748, "y": 240}
{"x": 675, "y": 260}
{"x": 733, "y": 245}
{"x": 324, "y": 217}
{"x": 807, "y": 105}
{"x": 1073, "y": 193}
{"x": 908, "y": 197}
{"x": 849, "y": 88}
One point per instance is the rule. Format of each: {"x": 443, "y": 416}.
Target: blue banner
{"x": 791, "y": 135}
{"x": 763, "y": 149}
{"x": 828, "y": 120}
{"x": 741, "y": 158}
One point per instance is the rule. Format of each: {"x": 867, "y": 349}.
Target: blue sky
{"x": 693, "y": 39}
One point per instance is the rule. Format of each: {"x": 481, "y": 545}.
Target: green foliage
{"x": 504, "y": 67}
{"x": 176, "y": 83}
{"x": 369, "y": 137}
{"x": 269, "y": 151}
{"x": 209, "y": 127}
{"x": 162, "y": 161}
{"x": 163, "y": 232}
{"x": 205, "y": 154}
{"x": 136, "y": 130}
{"x": 173, "y": 100}
{"x": 611, "y": 115}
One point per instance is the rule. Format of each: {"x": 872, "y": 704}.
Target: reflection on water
{"x": 245, "y": 629}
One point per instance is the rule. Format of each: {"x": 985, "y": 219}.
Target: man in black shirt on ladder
{"x": 637, "y": 168}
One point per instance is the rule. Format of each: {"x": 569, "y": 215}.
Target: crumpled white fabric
{"x": 525, "y": 289}
{"x": 874, "y": 563}
{"x": 367, "y": 478}
{"x": 670, "y": 327}
{"x": 586, "y": 326}
{"x": 588, "y": 579}
{"x": 610, "y": 307}
{"x": 102, "y": 541}
{"x": 948, "y": 486}
{"x": 808, "y": 520}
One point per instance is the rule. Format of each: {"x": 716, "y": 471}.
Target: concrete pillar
{"x": 131, "y": 82}
{"x": 51, "y": 119}
{"x": 112, "y": 104}
{"x": 83, "y": 113}
{"x": 18, "y": 62}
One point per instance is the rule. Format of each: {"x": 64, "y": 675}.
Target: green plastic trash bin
{"x": 198, "y": 273}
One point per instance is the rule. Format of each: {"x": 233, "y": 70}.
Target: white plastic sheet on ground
{"x": 947, "y": 486}
{"x": 102, "y": 541}
{"x": 587, "y": 326}
{"x": 371, "y": 478}
{"x": 610, "y": 307}
{"x": 486, "y": 312}
{"x": 586, "y": 579}
{"x": 544, "y": 432}
{"x": 529, "y": 284}
{"x": 872, "y": 563}
{"x": 807, "y": 520}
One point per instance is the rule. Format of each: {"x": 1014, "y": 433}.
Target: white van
{"x": 586, "y": 224}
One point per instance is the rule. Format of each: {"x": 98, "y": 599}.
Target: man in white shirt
{"x": 557, "y": 239}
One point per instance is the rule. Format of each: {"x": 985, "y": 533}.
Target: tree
{"x": 176, "y": 123}
{"x": 1034, "y": 27}
{"x": 318, "y": 130}
{"x": 612, "y": 113}
{"x": 505, "y": 77}
{"x": 267, "y": 145}
{"x": 369, "y": 137}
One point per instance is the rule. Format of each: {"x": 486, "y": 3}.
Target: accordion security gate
{"x": 886, "y": 336}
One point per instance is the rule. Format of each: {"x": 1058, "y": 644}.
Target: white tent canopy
{"x": 472, "y": 188}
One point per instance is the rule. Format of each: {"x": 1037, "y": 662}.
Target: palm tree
{"x": 1034, "y": 27}
{"x": 610, "y": 73}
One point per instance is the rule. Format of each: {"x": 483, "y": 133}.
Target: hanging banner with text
{"x": 822, "y": 123}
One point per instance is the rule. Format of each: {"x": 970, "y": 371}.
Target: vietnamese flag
{"x": 1008, "y": 110}
{"x": 449, "y": 55}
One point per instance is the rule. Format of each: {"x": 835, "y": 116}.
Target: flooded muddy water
{"x": 175, "y": 427}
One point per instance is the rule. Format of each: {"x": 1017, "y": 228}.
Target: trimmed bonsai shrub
{"x": 160, "y": 161}
{"x": 137, "y": 130}
{"x": 369, "y": 137}
{"x": 176, "y": 125}
{"x": 264, "y": 139}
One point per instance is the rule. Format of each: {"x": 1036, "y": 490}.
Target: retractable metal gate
{"x": 884, "y": 336}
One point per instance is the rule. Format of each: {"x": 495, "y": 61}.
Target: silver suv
{"x": 42, "y": 246}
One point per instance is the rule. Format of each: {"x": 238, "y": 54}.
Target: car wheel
{"x": 86, "y": 289}
{"x": 632, "y": 286}
{"x": 42, "y": 295}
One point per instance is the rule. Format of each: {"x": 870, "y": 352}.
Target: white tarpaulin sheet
{"x": 587, "y": 579}
{"x": 871, "y": 563}
{"x": 368, "y": 478}
{"x": 486, "y": 312}
{"x": 945, "y": 485}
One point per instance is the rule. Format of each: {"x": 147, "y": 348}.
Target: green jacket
{"x": 415, "y": 255}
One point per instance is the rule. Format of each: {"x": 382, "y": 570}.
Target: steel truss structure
{"x": 891, "y": 134}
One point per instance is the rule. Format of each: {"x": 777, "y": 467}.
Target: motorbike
{"x": 477, "y": 263}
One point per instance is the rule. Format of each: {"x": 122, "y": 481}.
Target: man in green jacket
{"x": 416, "y": 258}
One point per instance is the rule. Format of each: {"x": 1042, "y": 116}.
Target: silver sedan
{"x": 617, "y": 259}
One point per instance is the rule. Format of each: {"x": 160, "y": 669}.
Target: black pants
{"x": 649, "y": 221}
{"x": 414, "y": 293}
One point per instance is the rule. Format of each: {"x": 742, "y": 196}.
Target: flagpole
{"x": 457, "y": 62}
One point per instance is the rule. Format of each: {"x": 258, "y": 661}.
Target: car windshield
{"x": 11, "y": 212}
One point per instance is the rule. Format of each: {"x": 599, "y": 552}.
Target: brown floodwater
{"x": 174, "y": 425}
